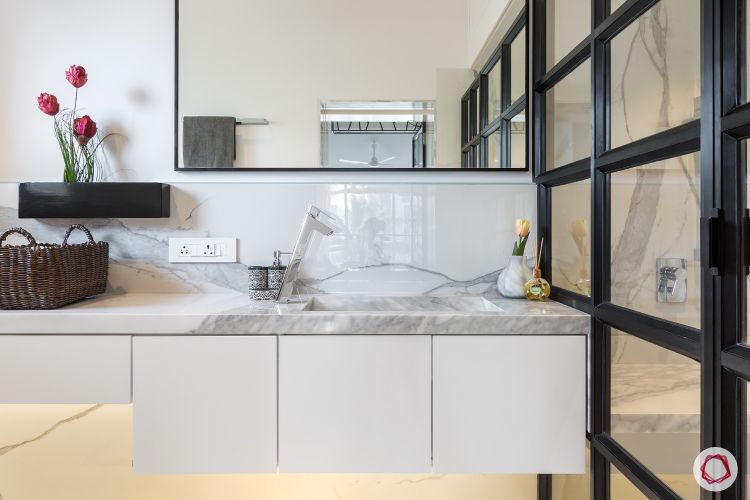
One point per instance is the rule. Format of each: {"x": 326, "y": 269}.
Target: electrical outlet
{"x": 202, "y": 250}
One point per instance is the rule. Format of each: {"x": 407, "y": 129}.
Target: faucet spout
{"x": 311, "y": 223}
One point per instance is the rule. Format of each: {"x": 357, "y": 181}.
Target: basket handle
{"x": 22, "y": 232}
{"x": 80, "y": 227}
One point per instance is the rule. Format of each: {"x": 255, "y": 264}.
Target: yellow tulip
{"x": 579, "y": 228}
{"x": 523, "y": 227}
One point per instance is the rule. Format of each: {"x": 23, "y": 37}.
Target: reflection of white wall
{"x": 279, "y": 59}
{"x": 451, "y": 85}
{"x": 359, "y": 148}
{"x": 483, "y": 16}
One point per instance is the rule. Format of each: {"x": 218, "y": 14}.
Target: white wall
{"x": 128, "y": 49}
{"x": 278, "y": 60}
{"x": 483, "y": 16}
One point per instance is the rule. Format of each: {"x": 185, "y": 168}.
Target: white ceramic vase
{"x": 512, "y": 279}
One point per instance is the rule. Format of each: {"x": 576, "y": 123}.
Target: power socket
{"x": 202, "y": 250}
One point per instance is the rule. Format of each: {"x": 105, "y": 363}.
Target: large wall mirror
{"x": 342, "y": 85}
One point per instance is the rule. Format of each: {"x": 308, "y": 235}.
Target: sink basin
{"x": 354, "y": 303}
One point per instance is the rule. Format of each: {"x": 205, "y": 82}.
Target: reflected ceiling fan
{"x": 374, "y": 162}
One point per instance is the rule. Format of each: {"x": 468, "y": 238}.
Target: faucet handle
{"x": 277, "y": 257}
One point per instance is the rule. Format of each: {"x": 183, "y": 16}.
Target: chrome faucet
{"x": 312, "y": 222}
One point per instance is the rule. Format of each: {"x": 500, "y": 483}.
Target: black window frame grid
{"x": 474, "y": 143}
{"x": 725, "y": 231}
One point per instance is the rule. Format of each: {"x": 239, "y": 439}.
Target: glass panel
{"x": 518, "y": 141}
{"x": 621, "y": 488}
{"x": 493, "y": 91}
{"x": 478, "y": 112}
{"x": 656, "y": 72}
{"x": 465, "y": 121}
{"x": 494, "y": 153}
{"x": 569, "y": 118}
{"x": 655, "y": 409}
{"x": 572, "y": 486}
{"x": 568, "y": 23}
{"x": 655, "y": 239}
{"x": 518, "y": 66}
{"x": 571, "y": 240}
{"x": 615, "y": 4}
{"x": 747, "y": 429}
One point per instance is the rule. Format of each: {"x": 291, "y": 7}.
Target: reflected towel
{"x": 208, "y": 141}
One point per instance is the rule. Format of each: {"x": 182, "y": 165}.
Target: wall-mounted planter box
{"x": 40, "y": 200}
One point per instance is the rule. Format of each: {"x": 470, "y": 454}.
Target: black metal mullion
{"x": 640, "y": 476}
{"x": 737, "y": 122}
{"x": 544, "y": 487}
{"x": 572, "y": 172}
{"x": 600, "y": 418}
{"x": 599, "y": 406}
{"x": 725, "y": 360}
{"x": 667, "y": 334}
{"x": 514, "y": 108}
{"x": 565, "y": 66}
{"x": 544, "y": 209}
{"x": 621, "y": 18}
{"x": 737, "y": 360}
{"x": 572, "y": 299}
{"x": 676, "y": 141}
{"x": 538, "y": 64}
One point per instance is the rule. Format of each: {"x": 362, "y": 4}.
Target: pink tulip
{"x": 84, "y": 129}
{"x": 77, "y": 76}
{"x": 48, "y": 104}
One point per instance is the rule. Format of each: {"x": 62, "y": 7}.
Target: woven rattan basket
{"x": 45, "y": 276}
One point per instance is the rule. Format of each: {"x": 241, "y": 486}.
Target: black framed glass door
{"x": 640, "y": 118}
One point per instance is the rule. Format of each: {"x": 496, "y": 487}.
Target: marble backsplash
{"x": 397, "y": 239}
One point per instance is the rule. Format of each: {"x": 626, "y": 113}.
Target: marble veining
{"x": 234, "y": 314}
{"x": 90, "y": 459}
{"x": 655, "y": 397}
{"x": 396, "y": 239}
{"x": 661, "y": 201}
{"x": 82, "y": 414}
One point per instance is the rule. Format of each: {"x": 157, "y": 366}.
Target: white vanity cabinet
{"x": 509, "y": 404}
{"x": 354, "y": 403}
{"x": 69, "y": 369}
{"x": 204, "y": 404}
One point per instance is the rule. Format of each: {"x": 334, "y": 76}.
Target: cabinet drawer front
{"x": 354, "y": 404}
{"x": 512, "y": 404}
{"x": 204, "y": 405}
{"x": 73, "y": 369}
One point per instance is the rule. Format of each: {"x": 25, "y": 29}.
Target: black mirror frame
{"x": 523, "y": 18}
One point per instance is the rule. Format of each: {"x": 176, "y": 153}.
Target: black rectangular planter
{"x": 46, "y": 200}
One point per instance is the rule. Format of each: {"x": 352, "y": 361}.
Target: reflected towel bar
{"x": 252, "y": 121}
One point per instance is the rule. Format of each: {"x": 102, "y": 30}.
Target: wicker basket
{"x": 45, "y": 276}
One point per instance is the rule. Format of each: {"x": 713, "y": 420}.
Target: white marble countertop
{"x": 235, "y": 314}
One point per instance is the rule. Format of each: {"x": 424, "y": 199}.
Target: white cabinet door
{"x": 204, "y": 405}
{"x": 354, "y": 404}
{"x": 509, "y": 404}
{"x": 85, "y": 369}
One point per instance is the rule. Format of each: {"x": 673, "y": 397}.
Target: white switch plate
{"x": 202, "y": 250}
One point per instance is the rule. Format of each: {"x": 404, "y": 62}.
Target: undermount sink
{"x": 401, "y": 304}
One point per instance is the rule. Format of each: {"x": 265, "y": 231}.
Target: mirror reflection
{"x": 336, "y": 84}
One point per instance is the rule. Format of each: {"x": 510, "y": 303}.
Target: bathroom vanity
{"x": 329, "y": 384}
